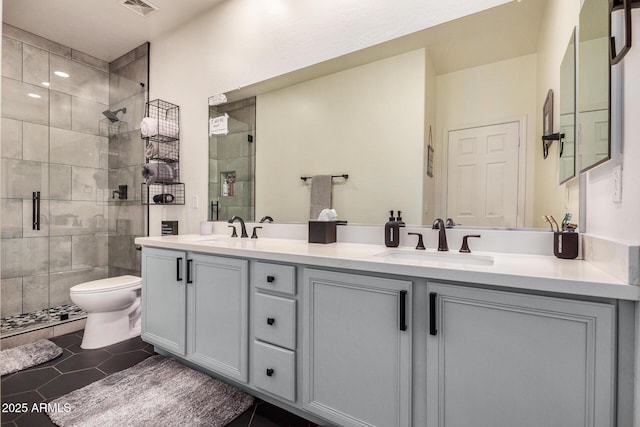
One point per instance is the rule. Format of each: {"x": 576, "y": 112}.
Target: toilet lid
{"x": 108, "y": 284}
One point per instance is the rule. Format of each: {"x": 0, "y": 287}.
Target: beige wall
{"x": 367, "y": 122}
{"x": 557, "y": 25}
{"x": 501, "y": 92}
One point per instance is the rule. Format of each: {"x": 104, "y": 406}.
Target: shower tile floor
{"x": 76, "y": 368}
{"x": 43, "y": 317}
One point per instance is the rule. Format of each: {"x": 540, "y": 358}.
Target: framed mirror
{"x": 567, "y": 151}
{"x": 594, "y": 136}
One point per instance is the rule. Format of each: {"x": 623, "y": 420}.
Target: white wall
{"x": 367, "y": 122}
{"x": 500, "y": 92}
{"x": 241, "y": 42}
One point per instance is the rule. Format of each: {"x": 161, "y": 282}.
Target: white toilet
{"x": 113, "y": 309}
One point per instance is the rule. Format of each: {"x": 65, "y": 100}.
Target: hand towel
{"x": 320, "y": 195}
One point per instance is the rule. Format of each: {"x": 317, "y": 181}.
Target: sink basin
{"x": 446, "y": 257}
{"x": 218, "y": 240}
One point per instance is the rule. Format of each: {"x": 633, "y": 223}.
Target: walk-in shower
{"x": 53, "y": 147}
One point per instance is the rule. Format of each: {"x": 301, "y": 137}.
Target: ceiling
{"x": 106, "y": 29}
{"x": 101, "y": 28}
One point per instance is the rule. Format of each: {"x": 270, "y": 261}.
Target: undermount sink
{"x": 446, "y": 257}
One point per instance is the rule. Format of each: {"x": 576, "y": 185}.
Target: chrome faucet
{"x": 242, "y": 226}
{"x": 438, "y": 224}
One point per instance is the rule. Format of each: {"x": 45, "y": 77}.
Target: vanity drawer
{"x": 274, "y": 320}
{"x": 274, "y": 370}
{"x": 276, "y": 277}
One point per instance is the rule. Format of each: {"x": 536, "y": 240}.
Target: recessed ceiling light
{"x": 34, "y": 95}
{"x": 47, "y": 84}
{"x": 61, "y": 74}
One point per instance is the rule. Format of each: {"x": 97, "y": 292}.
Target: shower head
{"x": 113, "y": 115}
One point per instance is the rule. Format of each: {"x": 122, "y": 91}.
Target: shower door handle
{"x": 36, "y": 210}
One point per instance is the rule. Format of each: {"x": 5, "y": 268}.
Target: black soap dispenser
{"x": 392, "y": 232}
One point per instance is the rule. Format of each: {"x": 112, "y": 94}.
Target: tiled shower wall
{"x": 57, "y": 144}
{"x": 128, "y": 88}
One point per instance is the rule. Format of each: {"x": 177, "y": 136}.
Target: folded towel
{"x": 149, "y": 127}
{"x": 157, "y": 171}
{"x": 320, "y": 195}
{"x": 158, "y": 127}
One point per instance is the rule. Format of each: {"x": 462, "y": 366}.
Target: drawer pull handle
{"x": 271, "y": 279}
{"x": 270, "y": 372}
{"x": 271, "y": 320}
{"x": 433, "y": 298}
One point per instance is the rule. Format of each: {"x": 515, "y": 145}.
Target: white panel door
{"x": 482, "y": 175}
{"x": 594, "y": 137}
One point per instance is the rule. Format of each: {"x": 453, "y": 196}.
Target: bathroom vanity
{"x": 355, "y": 335}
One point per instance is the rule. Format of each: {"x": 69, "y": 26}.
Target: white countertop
{"x": 531, "y": 272}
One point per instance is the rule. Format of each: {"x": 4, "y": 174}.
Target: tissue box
{"x": 322, "y": 231}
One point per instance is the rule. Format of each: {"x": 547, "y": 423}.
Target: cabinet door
{"x": 218, "y": 314}
{"x": 164, "y": 299}
{"x": 499, "y": 359}
{"x": 357, "y": 349}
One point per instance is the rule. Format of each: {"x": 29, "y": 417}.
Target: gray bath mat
{"x": 156, "y": 392}
{"x": 27, "y": 355}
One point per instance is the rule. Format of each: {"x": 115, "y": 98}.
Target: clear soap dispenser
{"x": 392, "y": 232}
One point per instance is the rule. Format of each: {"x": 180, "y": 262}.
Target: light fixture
{"x": 61, "y": 74}
{"x": 34, "y": 95}
{"x": 46, "y": 84}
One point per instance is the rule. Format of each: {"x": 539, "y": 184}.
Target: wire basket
{"x": 161, "y": 122}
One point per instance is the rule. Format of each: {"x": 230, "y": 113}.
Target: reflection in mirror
{"x": 369, "y": 115}
{"x": 593, "y": 84}
{"x": 232, "y": 160}
{"x": 567, "y": 165}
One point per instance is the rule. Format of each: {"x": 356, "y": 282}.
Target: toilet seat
{"x": 107, "y": 285}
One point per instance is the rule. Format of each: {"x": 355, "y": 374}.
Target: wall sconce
{"x": 547, "y": 120}
{"x": 547, "y": 140}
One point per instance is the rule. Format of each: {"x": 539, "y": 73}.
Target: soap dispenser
{"x": 392, "y": 232}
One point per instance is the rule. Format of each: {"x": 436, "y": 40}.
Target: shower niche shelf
{"x": 160, "y": 130}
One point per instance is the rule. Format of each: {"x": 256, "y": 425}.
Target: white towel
{"x": 149, "y": 127}
{"x": 158, "y": 127}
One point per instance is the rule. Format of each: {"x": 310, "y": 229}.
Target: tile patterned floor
{"x": 76, "y": 368}
{"x": 12, "y": 324}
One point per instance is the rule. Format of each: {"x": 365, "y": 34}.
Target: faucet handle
{"x": 465, "y": 244}
{"x": 235, "y": 233}
{"x": 254, "y": 235}
{"x": 420, "y": 245}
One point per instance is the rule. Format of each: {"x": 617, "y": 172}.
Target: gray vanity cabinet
{"x": 501, "y": 359}
{"x": 196, "y": 306}
{"x": 357, "y": 349}
{"x": 164, "y": 299}
{"x": 217, "y": 306}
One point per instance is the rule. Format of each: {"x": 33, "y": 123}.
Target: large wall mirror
{"x": 594, "y": 135}
{"x": 467, "y": 88}
{"x": 567, "y": 165}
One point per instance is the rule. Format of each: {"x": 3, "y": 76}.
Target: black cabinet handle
{"x": 433, "y": 298}
{"x": 270, "y": 372}
{"x": 179, "y": 269}
{"x": 403, "y": 310}
{"x": 271, "y": 279}
{"x": 271, "y": 320}
{"x": 36, "y": 210}
{"x": 189, "y": 263}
